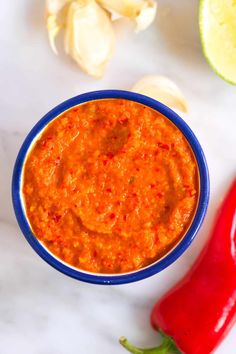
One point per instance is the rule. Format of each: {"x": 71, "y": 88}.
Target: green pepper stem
{"x": 168, "y": 346}
{"x": 132, "y": 349}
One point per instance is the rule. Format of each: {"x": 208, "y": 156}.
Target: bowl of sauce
{"x": 110, "y": 187}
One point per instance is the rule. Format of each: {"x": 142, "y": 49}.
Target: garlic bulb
{"x": 89, "y": 34}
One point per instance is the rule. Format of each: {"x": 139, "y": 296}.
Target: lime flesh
{"x": 217, "y": 20}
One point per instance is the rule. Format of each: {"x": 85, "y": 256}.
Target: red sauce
{"x": 110, "y": 186}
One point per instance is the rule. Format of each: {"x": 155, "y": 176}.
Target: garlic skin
{"x": 89, "y": 36}
{"x": 55, "y": 18}
{"x": 143, "y": 12}
{"x": 162, "y": 89}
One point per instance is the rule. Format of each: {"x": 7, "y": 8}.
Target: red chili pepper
{"x": 197, "y": 313}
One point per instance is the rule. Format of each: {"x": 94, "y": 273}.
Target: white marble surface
{"x": 41, "y": 310}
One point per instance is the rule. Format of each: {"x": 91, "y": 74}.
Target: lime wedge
{"x": 217, "y": 21}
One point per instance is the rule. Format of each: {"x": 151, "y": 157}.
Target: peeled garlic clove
{"x": 162, "y": 89}
{"x": 142, "y": 11}
{"x": 89, "y": 37}
{"x": 55, "y": 19}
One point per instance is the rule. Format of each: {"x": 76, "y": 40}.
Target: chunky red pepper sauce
{"x": 110, "y": 186}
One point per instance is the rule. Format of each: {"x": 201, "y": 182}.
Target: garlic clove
{"x": 162, "y": 89}
{"x": 89, "y": 37}
{"x": 53, "y": 7}
{"x": 53, "y": 29}
{"x": 146, "y": 16}
{"x": 142, "y": 11}
{"x": 55, "y": 19}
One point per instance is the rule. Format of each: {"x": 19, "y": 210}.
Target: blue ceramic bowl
{"x": 111, "y": 279}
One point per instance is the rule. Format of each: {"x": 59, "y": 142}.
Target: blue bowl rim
{"x": 154, "y": 268}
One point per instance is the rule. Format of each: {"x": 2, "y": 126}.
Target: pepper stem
{"x": 168, "y": 346}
